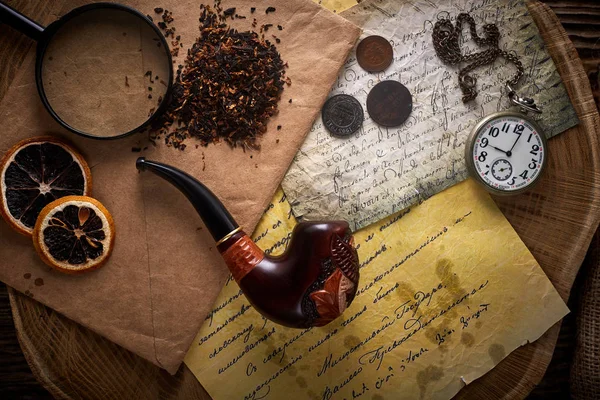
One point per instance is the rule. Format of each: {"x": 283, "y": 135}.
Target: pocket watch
{"x": 506, "y": 151}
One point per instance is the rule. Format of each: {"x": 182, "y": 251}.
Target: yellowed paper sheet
{"x": 447, "y": 291}
{"x": 380, "y": 171}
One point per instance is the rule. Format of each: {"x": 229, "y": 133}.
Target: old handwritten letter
{"x": 380, "y": 171}
{"x": 447, "y": 291}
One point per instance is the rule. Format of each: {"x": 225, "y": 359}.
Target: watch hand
{"x": 515, "y": 143}
{"x": 505, "y": 152}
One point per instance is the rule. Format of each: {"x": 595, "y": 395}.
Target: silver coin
{"x": 342, "y": 115}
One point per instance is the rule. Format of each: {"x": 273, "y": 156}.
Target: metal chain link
{"x": 446, "y": 41}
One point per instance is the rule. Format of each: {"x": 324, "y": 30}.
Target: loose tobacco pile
{"x": 227, "y": 88}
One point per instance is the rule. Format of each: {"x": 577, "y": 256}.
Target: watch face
{"x": 507, "y": 152}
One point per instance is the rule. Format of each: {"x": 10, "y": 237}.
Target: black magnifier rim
{"x": 51, "y": 30}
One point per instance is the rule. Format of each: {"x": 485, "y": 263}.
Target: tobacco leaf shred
{"x": 227, "y": 89}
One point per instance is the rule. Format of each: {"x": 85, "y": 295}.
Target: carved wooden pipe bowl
{"x": 311, "y": 284}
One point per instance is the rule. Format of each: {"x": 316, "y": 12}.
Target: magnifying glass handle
{"x": 20, "y": 22}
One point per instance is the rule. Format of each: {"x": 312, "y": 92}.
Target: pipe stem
{"x": 217, "y": 219}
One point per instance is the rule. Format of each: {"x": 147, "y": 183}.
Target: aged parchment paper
{"x": 380, "y": 171}
{"x": 165, "y": 272}
{"x": 437, "y": 307}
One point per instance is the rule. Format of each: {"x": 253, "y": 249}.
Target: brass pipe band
{"x": 230, "y": 234}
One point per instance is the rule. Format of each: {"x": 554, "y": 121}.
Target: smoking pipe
{"x": 310, "y": 284}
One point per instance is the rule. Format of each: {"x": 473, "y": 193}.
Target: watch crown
{"x": 525, "y": 103}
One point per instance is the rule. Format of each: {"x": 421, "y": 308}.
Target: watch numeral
{"x": 534, "y": 149}
{"x": 512, "y": 181}
{"x": 524, "y": 174}
{"x": 506, "y": 127}
{"x": 519, "y": 129}
{"x": 482, "y": 156}
{"x": 529, "y": 138}
{"x": 484, "y": 142}
{"x": 494, "y": 132}
{"x": 533, "y": 164}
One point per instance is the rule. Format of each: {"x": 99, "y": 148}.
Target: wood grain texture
{"x": 16, "y": 379}
{"x": 581, "y": 20}
{"x": 75, "y": 362}
{"x": 14, "y": 46}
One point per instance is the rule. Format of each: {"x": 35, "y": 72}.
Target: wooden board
{"x": 556, "y": 221}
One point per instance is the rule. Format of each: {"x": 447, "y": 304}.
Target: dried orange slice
{"x": 35, "y": 172}
{"x": 74, "y": 234}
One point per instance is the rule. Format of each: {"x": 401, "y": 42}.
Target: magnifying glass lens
{"x": 105, "y": 71}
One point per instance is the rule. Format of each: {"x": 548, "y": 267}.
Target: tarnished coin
{"x": 389, "y": 103}
{"x": 374, "y": 53}
{"x": 342, "y": 115}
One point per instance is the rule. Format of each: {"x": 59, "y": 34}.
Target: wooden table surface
{"x": 581, "y": 20}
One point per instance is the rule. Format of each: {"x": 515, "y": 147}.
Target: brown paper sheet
{"x": 165, "y": 272}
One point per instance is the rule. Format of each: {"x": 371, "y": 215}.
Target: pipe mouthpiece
{"x": 140, "y": 164}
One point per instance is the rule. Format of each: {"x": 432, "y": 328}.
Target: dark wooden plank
{"x": 574, "y": 4}
{"x": 13, "y": 45}
{"x": 16, "y": 379}
{"x": 583, "y": 11}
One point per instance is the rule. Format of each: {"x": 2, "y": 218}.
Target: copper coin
{"x": 389, "y": 103}
{"x": 342, "y": 115}
{"x": 374, "y": 53}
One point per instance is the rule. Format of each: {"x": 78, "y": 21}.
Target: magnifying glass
{"x": 103, "y": 70}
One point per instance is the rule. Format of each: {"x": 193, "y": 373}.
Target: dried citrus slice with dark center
{"x": 74, "y": 234}
{"x": 36, "y": 172}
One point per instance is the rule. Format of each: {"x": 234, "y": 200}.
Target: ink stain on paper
{"x": 301, "y": 382}
{"x": 39, "y": 282}
{"x": 496, "y": 352}
{"x": 27, "y": 275}
{"x": 351, "y": 341}
{"x": 313, "y": 395}
{"x": 455, "y": 292}
{"x": 467, "y": 339}
{"x": 428, "y": 375}
{"x": 275, "y": 355}
{"x": 432, "y": 333}
{"x": 293, "y": 371}
{"x": 449, "y": 279}
{"x": 405, "y": 291}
